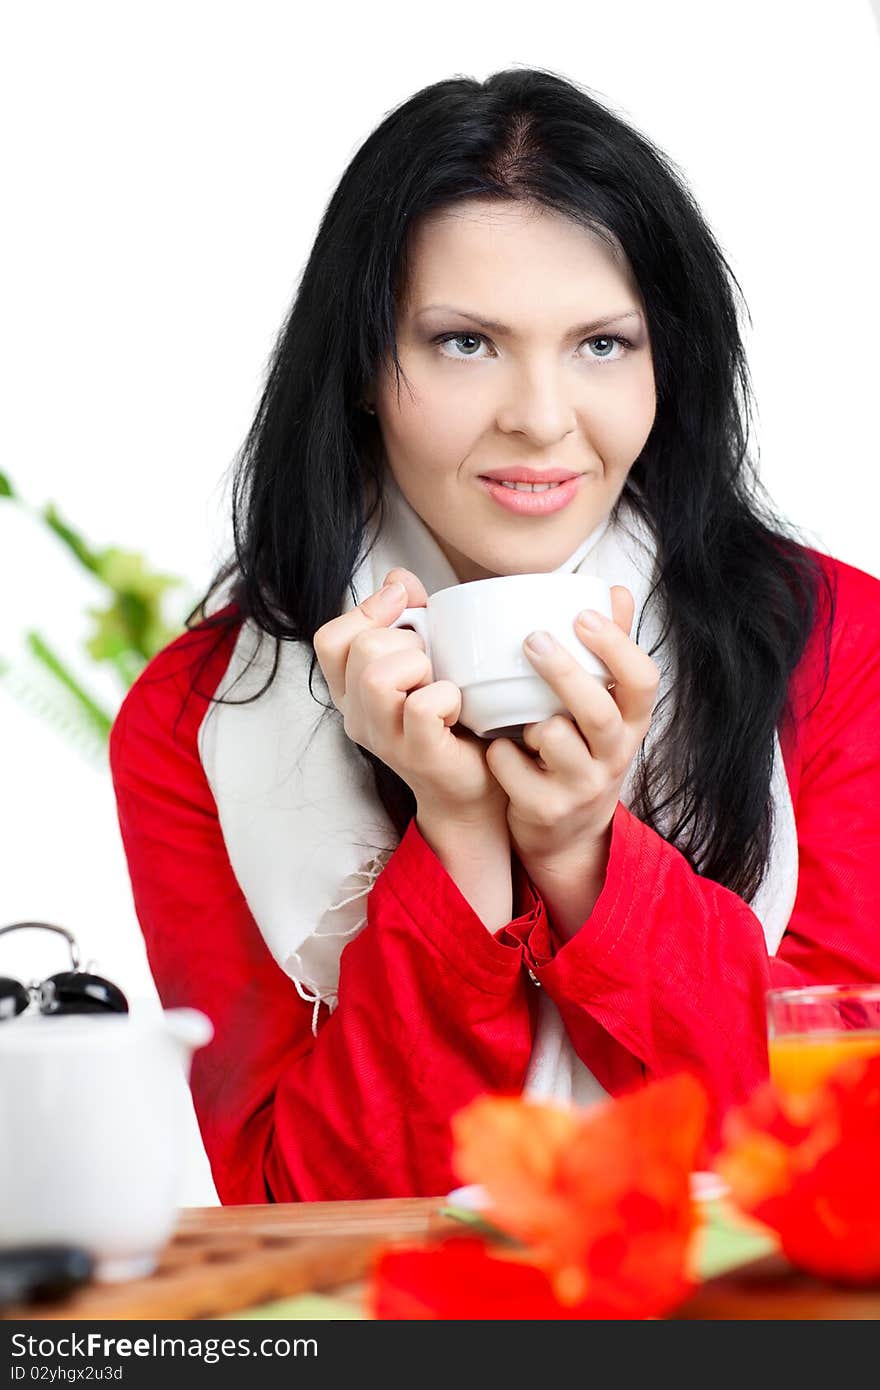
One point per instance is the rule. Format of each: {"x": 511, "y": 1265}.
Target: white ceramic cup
{"x": 473, "y": 634}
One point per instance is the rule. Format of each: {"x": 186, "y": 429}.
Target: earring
{"x": 370, "y": 409}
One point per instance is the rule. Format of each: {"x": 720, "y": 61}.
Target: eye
{"x": 459, "y": 338}
{"x": 471, "y": 343}
{"x": 611, "y": 338}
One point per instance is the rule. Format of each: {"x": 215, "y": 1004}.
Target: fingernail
{"x": 540, "y": 642}
{"x": 590, "y": 619}
{"x": 395, "y": 590}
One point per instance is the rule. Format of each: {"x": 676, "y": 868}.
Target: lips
{"x": 530, "y": 475}
{"x": 526, "y": 502}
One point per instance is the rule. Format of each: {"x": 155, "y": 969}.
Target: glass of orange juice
{"x": 814, "y": 1029}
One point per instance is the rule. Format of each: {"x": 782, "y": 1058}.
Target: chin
{"x": 541, "y": 564}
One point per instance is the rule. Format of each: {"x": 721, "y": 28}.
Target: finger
{"x": 635, "y": 675}
{"x": 593, "y": 709}
{"x": 383, "y": 688}
{"x": 623, "y": 607}
{"x": 378, "y": 644}
{"x": 559, "y": 747}
{"x": 527, "y": 787}
{"x": 622, "y": 611}
{"x": 428, "y": 712}
{"x": 416, "y": 593}
{"x": 333, "y": 640}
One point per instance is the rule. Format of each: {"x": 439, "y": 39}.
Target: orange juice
{"x": 799, "y": 1062}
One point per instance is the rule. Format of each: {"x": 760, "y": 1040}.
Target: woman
{"x": 360, "y": 894}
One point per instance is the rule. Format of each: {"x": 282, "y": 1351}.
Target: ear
{"x": 623, "y": 606}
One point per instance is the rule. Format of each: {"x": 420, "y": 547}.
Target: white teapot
{"x": 92, "y": 1130}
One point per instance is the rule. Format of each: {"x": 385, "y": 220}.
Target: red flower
{"x": 461, "y": 1280}
{"x": 807, "y": 1167}
{"x": 599, "y": 1199}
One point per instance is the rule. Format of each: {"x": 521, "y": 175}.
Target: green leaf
{"x": 6, "y": 489}
{"x": 479, "y": 1223}
{"x": 128, "y": 630}
{"x": 128, "y": 666}
{"x": 50, "y": 701}
{"x": 125, "y": 571}
{"x": 99, "y": 719}
{"x": 74, "y": 542}
{"x": 131, "y": 629}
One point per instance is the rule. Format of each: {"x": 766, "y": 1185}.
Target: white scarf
{"x": 305, "y": 831}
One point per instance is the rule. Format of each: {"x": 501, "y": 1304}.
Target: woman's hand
{"x": 380, "y": 679}
{"x": 562, "y": 801}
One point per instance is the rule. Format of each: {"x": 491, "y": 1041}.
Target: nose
{"x": 539, "y": 404}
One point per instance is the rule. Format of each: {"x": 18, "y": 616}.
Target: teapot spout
{"x": 189, "y": 1027}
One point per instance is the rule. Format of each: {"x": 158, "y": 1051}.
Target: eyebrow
{"x": 493, "y": 326}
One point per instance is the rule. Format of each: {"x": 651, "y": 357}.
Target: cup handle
{"x": 416, "y": 618}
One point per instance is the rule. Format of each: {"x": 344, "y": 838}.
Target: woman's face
{"x": 539, "y": 388}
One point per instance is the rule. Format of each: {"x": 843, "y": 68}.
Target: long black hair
{"x": 742, "y": 591}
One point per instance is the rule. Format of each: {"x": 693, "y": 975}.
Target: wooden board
{"x": 224, "y": 1259}
{"x": 769, "y": 1289}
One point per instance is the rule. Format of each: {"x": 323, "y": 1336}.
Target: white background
{"x": 166, "y": 167}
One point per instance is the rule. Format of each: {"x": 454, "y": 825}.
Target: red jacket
{"x": 668, "y": 972}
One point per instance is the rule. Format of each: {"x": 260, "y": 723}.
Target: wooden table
{"x": 224, "y": 1260}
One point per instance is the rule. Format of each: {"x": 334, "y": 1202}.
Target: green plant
{"x": 126, "y": 632}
